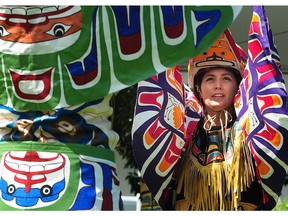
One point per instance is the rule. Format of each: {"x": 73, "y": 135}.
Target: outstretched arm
{"x": 261, "y": 106}
{"x": 164, "y": 119}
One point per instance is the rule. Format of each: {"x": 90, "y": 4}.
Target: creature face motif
{"x": 55, "y": 56}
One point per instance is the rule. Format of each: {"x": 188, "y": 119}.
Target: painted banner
{"x": 59, "y": 68}
{"x": 58, "y": 56}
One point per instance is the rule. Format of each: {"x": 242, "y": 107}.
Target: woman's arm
{"x": 164, "y": 119}
{"x": 261, "y": 106}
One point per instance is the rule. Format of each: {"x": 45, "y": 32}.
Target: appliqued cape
{"x": 166, "y": 115}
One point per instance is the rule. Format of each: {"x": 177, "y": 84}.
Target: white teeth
{"x": 35, "y": 10}
{"x": 24, "y": 167}
{"x": 61, "y": 7}
{"x": 31, "y": 86}
{"x": 17, "y": 20}
{"x": 20, "y": 11}
{"x": 12, "y": 165}
{"x": 52, "y": 166}
{"x": 32, "y": 11}
{"x": 38, "y": 20}
{"x": 20, "y": 176}
{"x": 4, "y": 10}
{"x": 34, "y": 167}
{"x": 37, "y": 168}
{"x": 48, "y": 9}
{"x": 218, "y": 95}
{"x": 38, "y": 177}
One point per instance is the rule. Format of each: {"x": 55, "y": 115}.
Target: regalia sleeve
{"x": 166, "y": 114}
{"x": 261, "y": 107}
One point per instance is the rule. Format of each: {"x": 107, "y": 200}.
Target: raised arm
{"x": 261, "y": 106}
{"x": 160, "y": 130}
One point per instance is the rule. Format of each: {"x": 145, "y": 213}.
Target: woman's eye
{"x": 227, "y": 78}
{"x": 3, "y": 31}
{"x": 209, "y": 79}
{"x": 58, "y": 30}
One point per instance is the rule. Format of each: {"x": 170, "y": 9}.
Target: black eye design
{"x": 204, "y": 53}
{"x": 223, "y": 53}
{"x": 46, "y": 190}
{"x": 58, "y": 30}
{"x": 11, "y": 189}
{"x": 3, "y": 31}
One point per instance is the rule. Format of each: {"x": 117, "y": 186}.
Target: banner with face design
{"x": 59, "y": 66}
{"x": 57, "y": 56}
{"x": 35, "y": 176}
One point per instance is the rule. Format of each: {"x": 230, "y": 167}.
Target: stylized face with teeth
{"x": 59, "y": 56}
{"x": 39, "y": 48}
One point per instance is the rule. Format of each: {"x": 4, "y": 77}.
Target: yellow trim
{"x": 217, "y": 186}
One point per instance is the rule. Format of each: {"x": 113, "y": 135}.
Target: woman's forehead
{"x": 218, "y": 71}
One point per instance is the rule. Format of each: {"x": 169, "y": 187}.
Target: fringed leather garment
{"x": 217, "y": 168}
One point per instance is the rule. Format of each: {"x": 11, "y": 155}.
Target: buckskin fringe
{"x": 217, "y": 186}
{"x": 242, "y": 172}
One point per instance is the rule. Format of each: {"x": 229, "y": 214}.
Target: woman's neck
{"x": 221, "y": 118}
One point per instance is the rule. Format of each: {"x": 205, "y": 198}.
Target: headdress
{"x": 223, "y": 53}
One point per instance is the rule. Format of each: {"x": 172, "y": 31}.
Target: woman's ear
{"x": 197, "y": 89}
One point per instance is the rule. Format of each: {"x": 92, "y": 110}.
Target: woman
{"x": 234, "y": 142}
{"x": 217, "y": 168}
{"x": 217, "y": 159}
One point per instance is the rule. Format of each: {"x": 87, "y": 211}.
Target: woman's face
{"x": 218, "y": 89}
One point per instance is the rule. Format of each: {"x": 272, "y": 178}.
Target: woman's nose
{"x": 218, "y": 84}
